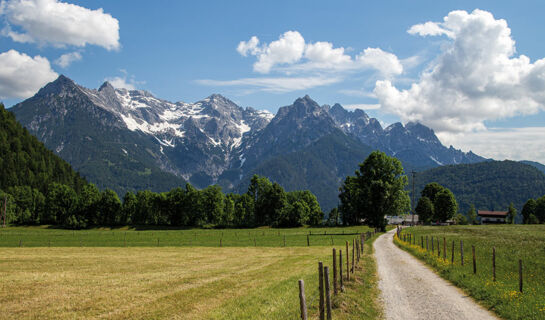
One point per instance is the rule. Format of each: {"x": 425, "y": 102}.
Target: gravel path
{"x": 412, "y": 291}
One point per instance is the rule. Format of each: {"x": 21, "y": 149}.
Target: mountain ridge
{"x": 105, "y": 131}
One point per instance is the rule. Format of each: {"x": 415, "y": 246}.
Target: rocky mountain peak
{"x": 60, "y": 86}
{"x": 106, "y": 87}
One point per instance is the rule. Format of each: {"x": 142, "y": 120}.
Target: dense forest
{"x": 490, "y": 185}
{"x": 25, "y": 161}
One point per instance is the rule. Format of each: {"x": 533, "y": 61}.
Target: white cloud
{"x": 429, "y": 29}
{"x": 324, "y": 54}
{"x": 277, "y": 85}
{"x": 291, "y": 53}
{"x": 386, "y": 63}
{"x": 289, "y": 48}
{"x": 362, "y": 106}
{"x": 66, "y": 59}
{"x": 475, "y": 78}
{"x": 22, "y": 76}
{"x": 59, "y": 23}
{"x": 506, "y": 143}
{"x": 251, "y": 46}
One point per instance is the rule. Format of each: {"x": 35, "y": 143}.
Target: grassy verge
{"x": 361, "y": 297}
{"x": 512, "y": 242}
{"x": 176, "y": 282}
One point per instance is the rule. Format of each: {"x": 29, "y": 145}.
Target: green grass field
{"x": 180, "y": 279}
{"x": 44, "y": 236}
{"x": 512, "y": 242}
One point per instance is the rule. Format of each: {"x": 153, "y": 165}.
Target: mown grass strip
{"x": 511, "y": 243}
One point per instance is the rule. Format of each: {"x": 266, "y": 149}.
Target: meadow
{"x": 511, "y": 242}
{"x": 187, "y": 277}
{"x": 45, "y": 236}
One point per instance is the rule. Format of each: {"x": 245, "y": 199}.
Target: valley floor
{"x": 169, "y": 282}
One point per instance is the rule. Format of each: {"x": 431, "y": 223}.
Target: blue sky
{"x": 357, "y": 53}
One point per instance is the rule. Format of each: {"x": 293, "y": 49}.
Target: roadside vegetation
{"x": 511, "y": 243}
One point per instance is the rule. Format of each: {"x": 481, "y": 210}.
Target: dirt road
{"x": 412, "y": 291}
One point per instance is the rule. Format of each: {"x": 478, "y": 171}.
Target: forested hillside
{"x": 490, "y": 185}
{"x": 25, "y": 161}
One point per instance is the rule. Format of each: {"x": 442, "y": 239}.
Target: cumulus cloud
{"x": 66, "y": 59}
{"x": 515, "y": 143}
{"x": 386, "y": 63}
{"x": 291, "y": 53}
{"x": 475, "y": 78}
{"x": 276, "y": 85}
{"x": 289, "y": 48}
{"x": 21, "y": 75}
{"x": 59, "y": 24}
{"x": 250, "y": 46}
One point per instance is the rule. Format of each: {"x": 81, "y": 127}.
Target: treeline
{"x": 264, "y": 204}
{"x": 489, "y": 185}
{"x": 533, "y": 211}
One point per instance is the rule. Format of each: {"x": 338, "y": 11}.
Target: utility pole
{"x": 412, "y": 202}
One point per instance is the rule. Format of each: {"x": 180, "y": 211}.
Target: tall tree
{"x": 540, "y": 209}
{"x": 529, "y": 210}
{"x": 511, "y": 214}
{"x": 472, "y": 215}
{"x": 377, "y": 190}
{"x": 445, "y": 206}
{"x": 424, "y": 210}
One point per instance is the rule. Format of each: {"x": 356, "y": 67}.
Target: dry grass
{"x": 182, "y": 283}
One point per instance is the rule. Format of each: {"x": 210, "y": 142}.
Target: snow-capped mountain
{"x": 131, "y": 140}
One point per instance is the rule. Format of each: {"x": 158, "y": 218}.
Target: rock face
{"x": 131, "y": 140}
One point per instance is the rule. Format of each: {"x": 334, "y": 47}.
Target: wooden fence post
{"x": 255, "y": 243}
{"x": 327, "y": 294}
{"x": 221, "y": 244}
{"x": 334, "y": 272}
{"x": 422, "y": 242}
{"x": 353, "y": 242}
{"x": 308, "y": 241}
{"x": 452, "y": 259}
{"x": 474, "y": 261}
{"x": 357, "y": 250}
{"x": 444, "y": 249}
{"x": 462, "y": 252}
{"x": 494, "y": 263}
{"x": 520, "y": 275}
{"x": 426, "y": 243}
{"x": 341, "y": 287}
{"x": 302, "y": 300}
{"x": 438, "y": 248}
{"x": 321, "y": 289}
{"x": 284, "y": 240}
{"x": 347, "y": 263}
{"x": 432, "y": 248}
